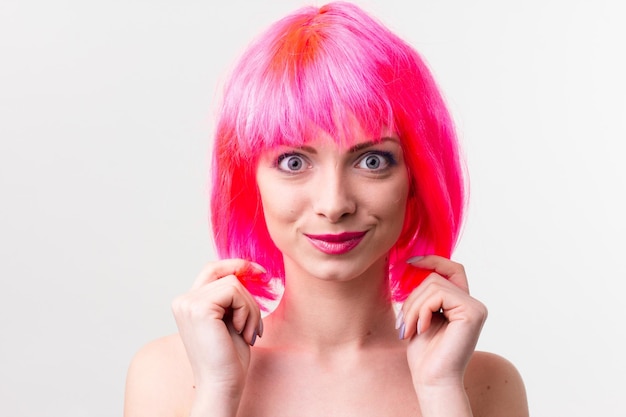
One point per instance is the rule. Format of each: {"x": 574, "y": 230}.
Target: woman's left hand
{"x": 442, "y": 322}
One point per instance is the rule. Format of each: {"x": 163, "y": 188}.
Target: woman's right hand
{"x": 218, "y": 320}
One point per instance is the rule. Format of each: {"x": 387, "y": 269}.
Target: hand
{"x": 218, "y": 320}
{"x": 443, "y": 323}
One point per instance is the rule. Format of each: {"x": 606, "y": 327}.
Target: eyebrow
{"x": 360, "y": 146}
{"x": 356, "y": 148}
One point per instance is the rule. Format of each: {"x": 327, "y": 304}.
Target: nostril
{"x": 335, "y": 210}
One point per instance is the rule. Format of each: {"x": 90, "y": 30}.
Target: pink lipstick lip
{"x": 336, "y": 244}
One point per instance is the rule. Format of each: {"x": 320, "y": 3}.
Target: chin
{"x": 339, "y": 269}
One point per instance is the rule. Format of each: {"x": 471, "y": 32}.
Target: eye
{"x": 375, "y": 161}
{"x": 291, "y": 163}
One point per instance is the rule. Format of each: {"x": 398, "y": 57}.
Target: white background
{"x": 106, "y": 110}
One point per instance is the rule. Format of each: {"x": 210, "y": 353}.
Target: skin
{"x": 334, "y": 345}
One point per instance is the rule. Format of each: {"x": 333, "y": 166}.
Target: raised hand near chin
{"x": 442, "y": 322}
{"x": 218, "y": 320}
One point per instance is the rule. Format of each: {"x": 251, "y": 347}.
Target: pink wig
{"x": 328, "y": 67}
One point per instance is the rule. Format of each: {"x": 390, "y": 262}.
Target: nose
{"x": 334, "y": 198}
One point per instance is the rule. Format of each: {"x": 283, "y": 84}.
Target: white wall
{"x": 105, "y": 119}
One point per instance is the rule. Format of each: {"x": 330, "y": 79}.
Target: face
{"x": 334, "y": 212}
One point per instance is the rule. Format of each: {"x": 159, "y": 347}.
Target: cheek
{"x": 392, "y": 208}
{"x": 391, "y": 200}
{"x": 279, "y": 206}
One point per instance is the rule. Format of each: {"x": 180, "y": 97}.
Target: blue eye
{"x": 291, "y": 163}
{"x": 376, "y": 161}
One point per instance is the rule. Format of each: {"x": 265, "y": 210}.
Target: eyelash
{"x": 388, "y": 156}
{"x": 286, "y": 155}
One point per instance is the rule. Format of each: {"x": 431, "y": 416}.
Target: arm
{"x": 202, "y": 370}
{"x": 443, "y": 323}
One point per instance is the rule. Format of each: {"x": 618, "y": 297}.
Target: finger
{"x": 432, "y": 307}
{"x": 453, "y": 271}
{"x": 238, "y": 308}
{"x": 418, "y": 317}
{"x": 219, "y": 269}
{"x": 246, "y": 314}
{"x": 435, "y": 295}
{"x": 226, "y": 300}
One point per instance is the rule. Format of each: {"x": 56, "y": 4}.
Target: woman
{"x": 336, "y": 182}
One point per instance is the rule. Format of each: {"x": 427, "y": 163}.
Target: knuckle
{"x": 432, "y": 281}
{"x": 481, "y": 311}
{"x": 485, "y": 311}
{"x": 245, "y": 309}
{"x": 180, "y": 303}
{"x": 185, "y": 306}
{"x": 457, "y": 268}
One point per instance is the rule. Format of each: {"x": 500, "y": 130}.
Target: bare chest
{"x": 281, "y": 386}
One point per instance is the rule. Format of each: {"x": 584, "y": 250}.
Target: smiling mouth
{"x": 336, "y": 244}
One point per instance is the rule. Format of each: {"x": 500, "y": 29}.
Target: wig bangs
{"x": 312, "y": 79}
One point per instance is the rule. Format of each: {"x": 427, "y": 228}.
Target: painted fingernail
{"x": 399, "y": 319}
{"x": 402, "y": 330}
{"x": 414, "y": 259}
{"x": 253, "y": 338}
{"x": 261, "y": 328}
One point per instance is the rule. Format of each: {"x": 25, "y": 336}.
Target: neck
{"x": 323, "y": 315}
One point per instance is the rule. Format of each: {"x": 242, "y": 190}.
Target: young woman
{"x": 338, "y": 194}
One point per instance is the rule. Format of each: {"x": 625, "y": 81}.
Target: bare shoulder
{"x": 495, "y": 387}
{"x": 159, "y": 380}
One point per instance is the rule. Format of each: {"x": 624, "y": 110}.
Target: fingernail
{"x": 261, "y": 328}
{"x": 414, "y": 259}
{"x": 253, "y": 338}
{"x": 402, "y": 330}
{"x": 419, "y": 326}
{"x": 258, "y": 267}
{"x": 399, "y": 319}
